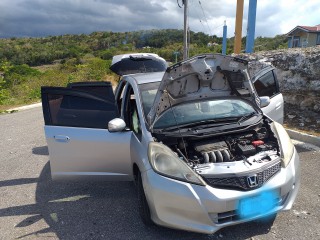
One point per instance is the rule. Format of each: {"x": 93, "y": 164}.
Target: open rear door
{"x": 266, "y": 84}
{"x": 80, "y": 146}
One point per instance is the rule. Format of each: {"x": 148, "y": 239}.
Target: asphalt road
{"x": 33, "y": 207}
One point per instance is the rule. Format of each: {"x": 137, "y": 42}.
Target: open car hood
{"x": 202, "y": 77}
{"x": 137, "y": 63}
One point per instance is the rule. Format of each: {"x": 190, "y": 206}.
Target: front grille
{"x": 226, "y": 217}
{"x": 241, "y": 182}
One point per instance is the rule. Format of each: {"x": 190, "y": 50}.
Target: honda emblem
{"x": 252, "y": 181}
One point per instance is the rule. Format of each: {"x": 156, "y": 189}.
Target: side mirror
{"x": 116, "y": 125}
{"x": 264, "y": 101}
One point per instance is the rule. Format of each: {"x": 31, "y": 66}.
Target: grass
{"x": 22, "y": 84}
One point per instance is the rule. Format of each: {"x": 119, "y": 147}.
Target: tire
{"x": 143, "y": 204}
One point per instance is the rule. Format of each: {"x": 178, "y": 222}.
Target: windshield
{"x": 148, "y": 92}
{"x": 201, "y": 111}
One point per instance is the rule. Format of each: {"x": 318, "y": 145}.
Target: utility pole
{"x": 238, "y": 32}
{"x": 224, "y": 40}
{"x": 251, "y": 26}
{"x": 185, "y": 30}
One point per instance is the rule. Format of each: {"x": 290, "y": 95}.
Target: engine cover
{"x": 213, "y": 151}
{"x": 209, "y": 146}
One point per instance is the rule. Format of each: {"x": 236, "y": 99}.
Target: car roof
{"x": 142, "y": 78}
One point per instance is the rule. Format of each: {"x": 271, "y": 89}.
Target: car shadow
{"x": 102, "y": 210}
{"x": 43, "y": 150}
{"x": 20, "y": 181}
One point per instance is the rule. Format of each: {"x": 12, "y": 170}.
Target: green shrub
{"x": 35, "y": 93}
{"x": 4, "y": 96}
{"x": 24, "y": 69}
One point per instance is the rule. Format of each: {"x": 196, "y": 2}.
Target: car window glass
{"x": 266, "y": 85}
{"x": 135, "y": 123}
{"x": 120, "y": 95}
{"x": 131, "y": 66}
{"x": 203, "y": 111}
{"x": 148, "y": 99}
{"x": 75, "y": 111}
{"x": 99, "y": 89}
{"x": 131, "y": 116}
{"x": 148, "y": 92}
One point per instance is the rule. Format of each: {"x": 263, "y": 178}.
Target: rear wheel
{"x": 142, "y": 202}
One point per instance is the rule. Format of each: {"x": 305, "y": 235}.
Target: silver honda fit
{"x": 192, "y": 136}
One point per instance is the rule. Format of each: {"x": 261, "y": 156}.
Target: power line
{"x": 218, "y": 27}
{"x": 210, "y": 32}
{"x": 204, "y": 29}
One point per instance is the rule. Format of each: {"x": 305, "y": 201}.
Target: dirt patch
{"x": 44, "y": 68}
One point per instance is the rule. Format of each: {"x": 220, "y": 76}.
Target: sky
{"x": 38, "y": 18}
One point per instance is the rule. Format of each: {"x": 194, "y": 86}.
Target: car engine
{"x": 252, "y": 152}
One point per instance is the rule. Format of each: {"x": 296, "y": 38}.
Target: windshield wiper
{"x": 194, "y": 124}
{"x": 246, "y": 117}
{"x": 224, "y": 123}
{"x": 184, "y": 125}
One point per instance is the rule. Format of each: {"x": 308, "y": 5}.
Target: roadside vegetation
{"x": 21, "y": 84}
{"x": 26, "y": 64}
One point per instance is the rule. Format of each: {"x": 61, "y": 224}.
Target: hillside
{"x": 26, "y": 64}
{"x": 46, "y": 50}
{"x": 39, "y": 51}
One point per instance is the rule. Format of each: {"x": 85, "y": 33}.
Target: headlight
{"x": 286, "y": 145}
{"x": 165, "y": 162}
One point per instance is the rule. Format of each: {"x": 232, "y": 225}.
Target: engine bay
{"x": 231, "y": 154}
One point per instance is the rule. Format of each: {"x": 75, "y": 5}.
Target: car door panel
{"x": 86, "y": 153}
{"x": 132, "y": 114}
{"x": 275, "y": 109}
{"x": 79, "y": 144}
{"x": 266, "y": 84}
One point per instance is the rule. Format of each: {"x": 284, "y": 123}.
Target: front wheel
{"x": 142, "y": 203}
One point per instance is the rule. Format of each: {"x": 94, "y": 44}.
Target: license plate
{"x": 257, "y": 205}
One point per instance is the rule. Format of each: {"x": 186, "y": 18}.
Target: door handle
{"x": 278, "y": 105}
{"x": 61, "y": 138}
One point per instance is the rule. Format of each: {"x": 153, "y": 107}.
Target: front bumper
{"x": 206, "y": 209}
